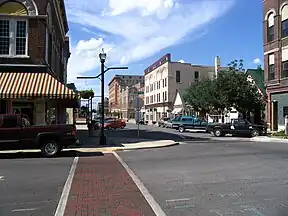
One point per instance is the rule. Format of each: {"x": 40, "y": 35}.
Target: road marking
{"x": 150, "y": 199}
{"x": 66, "y": 190}
{"x": 178, "y": 200}
{"x": 1, "y": 178}
{"x": 23, "y": 210}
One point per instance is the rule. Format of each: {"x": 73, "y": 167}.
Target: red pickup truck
{"x": 16, "y": 133}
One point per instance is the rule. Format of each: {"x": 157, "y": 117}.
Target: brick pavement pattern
{"x": 102, "y": 187}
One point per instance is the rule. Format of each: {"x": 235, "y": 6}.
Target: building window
{"x": 284, "y": 21}
{"x": 13, "y": 37}
{"x": 285, "y": 111}
{"x": 147, "y": 100}
{"x": 151, "y": 99}
{"x": 165, "y": 81}
{"x": 284, "y": 69}
{"x": 270, "y": 28}
{"x": 147, "y": 89}
{"x": 178, "y": 76}
{"x": 271, "y": 68}
{"x": 285, "y": 28}
{"x": 196, "y": 75}
{"x": 165, "y": 96}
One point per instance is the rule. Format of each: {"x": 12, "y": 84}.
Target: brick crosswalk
{"x": 102, "y": 187}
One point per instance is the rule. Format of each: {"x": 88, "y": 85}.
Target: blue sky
{"x": 137, "y": 33}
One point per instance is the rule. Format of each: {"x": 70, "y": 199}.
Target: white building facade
{"x": 162, "y": 81}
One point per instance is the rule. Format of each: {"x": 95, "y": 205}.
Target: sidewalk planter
{"x": 93, "y": 129}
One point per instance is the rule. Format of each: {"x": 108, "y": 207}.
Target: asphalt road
{"x": 160, "y": 133}
{"x": 215, "y": 179}
{"x": 31, "y": 185}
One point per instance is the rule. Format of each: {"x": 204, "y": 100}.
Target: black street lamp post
{"x": 102, "y": 57}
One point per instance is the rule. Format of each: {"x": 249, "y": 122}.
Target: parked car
{"x": 114, "y": 124}
{"x": 169, "y": 124}
{"x": 180, "y": 120}
{"x": 192, "y": 123}
{"x": 162, "y": 122}
{"x": 16, "y": 133}
{"x": 239, "y": 127}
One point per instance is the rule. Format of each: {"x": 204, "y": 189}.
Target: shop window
{"x": 9, "y": 122}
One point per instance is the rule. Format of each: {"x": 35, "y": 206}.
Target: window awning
{"x": 176, "y": 110}
{"x": 14, "y": 85}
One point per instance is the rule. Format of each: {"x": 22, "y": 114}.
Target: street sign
{"x": 138, "y": 103}
{"x": 139, "y": 92}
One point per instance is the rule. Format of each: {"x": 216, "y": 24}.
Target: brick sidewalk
{"x": 102, "y": 187}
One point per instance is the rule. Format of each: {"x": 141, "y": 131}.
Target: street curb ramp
{"x": 148, "y": 147}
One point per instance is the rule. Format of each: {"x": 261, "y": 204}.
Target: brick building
{"x": 275, "y": 25}
{"x": 128, "y": 97}
{"x": 119, "y": 84}
{"x": 34, "y": 52}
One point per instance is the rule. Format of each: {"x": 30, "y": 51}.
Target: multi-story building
{"x": 131, "y": 99}
{"x": 164, "y": 78}
{"x": 275, "y": 26}
{"x": 119, "y": 84}
{"x": 34, "y": 52}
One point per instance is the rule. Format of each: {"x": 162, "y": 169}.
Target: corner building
{"x": 275, "y": 42}
{"x": 34, "y": 52}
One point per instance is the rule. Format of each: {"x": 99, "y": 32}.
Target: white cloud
{"x": 135, "y": 30}
{"x": 257, "y": 61}
{"x": 181, "y": 61}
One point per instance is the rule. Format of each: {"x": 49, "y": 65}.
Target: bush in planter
{"x": 153, "y": 122}
{"x": 86, "y": 94}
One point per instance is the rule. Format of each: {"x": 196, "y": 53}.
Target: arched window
{"x": 14, "y": 32}
{"x": 13, "y": 8}
{"x": 284, "y": 21}
{"x": 270, "y": 27}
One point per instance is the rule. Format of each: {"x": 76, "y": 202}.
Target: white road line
{"x": 66, "y": 190}
{"x": 150, "y": 199}
{"x": 178, "y": 200}
{"x": 23, "y": 210}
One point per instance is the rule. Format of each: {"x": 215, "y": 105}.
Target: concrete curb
{"x": 268, "y": 139}
{"x": 101, "y": 149}
{"x": 151, "y": 147}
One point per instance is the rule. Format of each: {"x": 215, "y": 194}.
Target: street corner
{"x": 97, "y": 191}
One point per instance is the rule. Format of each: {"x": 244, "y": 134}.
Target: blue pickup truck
{"x": 189, "y": 122}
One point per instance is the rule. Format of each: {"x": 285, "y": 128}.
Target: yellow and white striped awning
{"x": 15, "y": 85}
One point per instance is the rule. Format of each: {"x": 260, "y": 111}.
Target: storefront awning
{"x": 29, "y": 85}
{"x": 176, "y": 110}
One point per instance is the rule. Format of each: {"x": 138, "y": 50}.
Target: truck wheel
{"x": 181, "y": 129}
{"x": 217, "y": 132}
{"x": 255, "y": 133}
{"x": 50, "y": 148}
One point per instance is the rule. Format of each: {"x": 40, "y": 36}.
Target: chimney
{"x": 217, "y": 65}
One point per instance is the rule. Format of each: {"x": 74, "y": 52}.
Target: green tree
{"x": 200, "y": 96}
{"x": 230, "y": 89}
